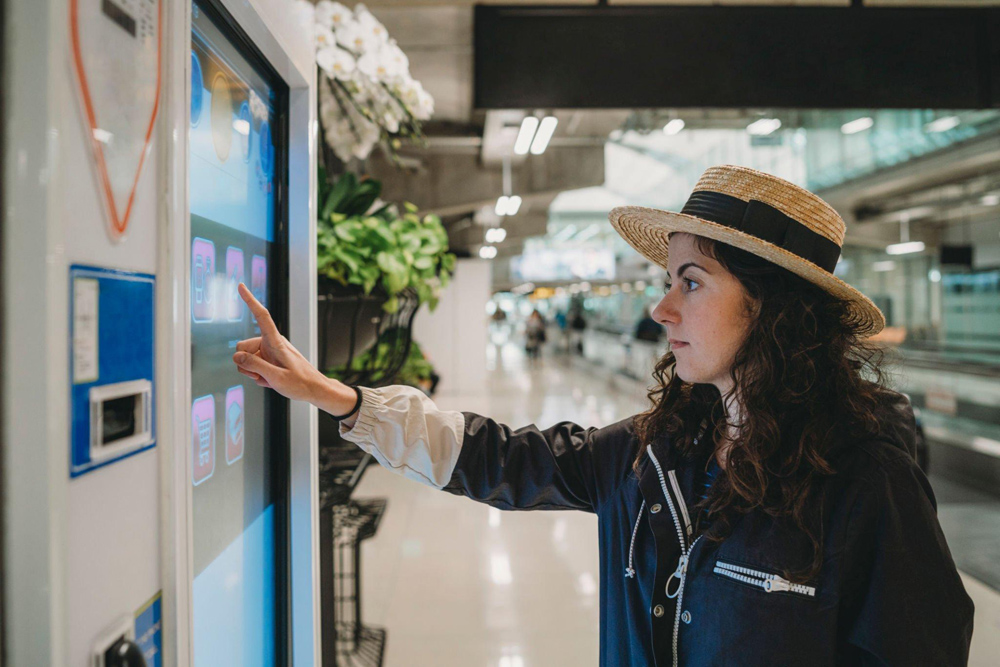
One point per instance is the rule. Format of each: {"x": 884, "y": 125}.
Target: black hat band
{"x": 766, "y": 223}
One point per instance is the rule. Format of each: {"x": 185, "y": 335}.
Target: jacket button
{"x": 686, "y": 617}
{"x": 655, "y": 509}
{"x": 658, "y": 610}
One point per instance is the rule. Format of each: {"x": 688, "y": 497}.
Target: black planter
{"x": 349, "y": 321}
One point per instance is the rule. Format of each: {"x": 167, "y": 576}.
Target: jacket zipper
{"x": 681, "y": 572}
{"x": 772, "y": 583}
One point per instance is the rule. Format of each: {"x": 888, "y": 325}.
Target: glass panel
{"x": 234, "y": 209}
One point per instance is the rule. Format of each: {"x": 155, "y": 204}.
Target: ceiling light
{"x": 501, "y": 207}
{"x": 942, "y": 124}
{"x": 934, "y": 276}
{"x": 588, "y": 232}
{"x": 674, "y": 126}
{"x": 513, "y": 205}
{"x": 990, "y": 200}
{"x": 857, "y": 125}
{"x": 545, "y": 130}
{"x": 487, "y": 252}
{"x": 905, "y": 248}
{"x": 763, "y": 127}
{"x": 888, "y": 265}
{"x": 496, "y": 235}
{"x": 564, "y": 233}
{"x": 528, "y": 127}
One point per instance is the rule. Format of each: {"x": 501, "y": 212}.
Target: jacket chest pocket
{"x": 762, "y": 579}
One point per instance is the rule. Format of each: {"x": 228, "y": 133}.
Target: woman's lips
{"x": 674, "y": 344}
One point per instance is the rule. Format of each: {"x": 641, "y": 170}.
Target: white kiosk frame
{"x": 275, "y": 34}
{"x": 60, "y": 587}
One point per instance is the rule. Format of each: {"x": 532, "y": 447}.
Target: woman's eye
{"x": 691, "y": 282}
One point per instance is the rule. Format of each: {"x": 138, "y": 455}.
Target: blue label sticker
{"x": 112, "y": 340}
{"x": 148, "y": 634}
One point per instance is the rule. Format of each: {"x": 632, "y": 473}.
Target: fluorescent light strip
{"x": 513, "y": 205}
{"x": 674, "y": 126}
{"x": 942, "y": 124}
{"x": 564, "y": 233}
{"x": 588, "y": 232}
{"x": 502, "y": 203}
{"x": 857, "y": 125}
{"x": 763, "y": 127}
{"x": 545, "y": 130}
{"x": 524, "y": 137}
{"x": 905, "y": 248}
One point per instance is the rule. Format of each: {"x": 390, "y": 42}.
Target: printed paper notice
{"x": 85, "y": 300}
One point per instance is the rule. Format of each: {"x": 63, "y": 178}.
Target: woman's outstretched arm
{"x": 565, "y": 466}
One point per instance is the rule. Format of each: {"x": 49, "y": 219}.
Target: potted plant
{"x": 409, "y": 366}
{"x": 371, "y": 257}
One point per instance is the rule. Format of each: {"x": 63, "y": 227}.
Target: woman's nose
{"x": 665, "y": 312}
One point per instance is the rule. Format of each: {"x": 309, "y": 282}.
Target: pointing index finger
{"x": 260, "y": 312}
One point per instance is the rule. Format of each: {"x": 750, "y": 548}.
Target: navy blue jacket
{"x": 888, "y": 592}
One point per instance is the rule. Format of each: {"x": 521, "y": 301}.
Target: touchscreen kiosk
{"x": 239, "y": 432}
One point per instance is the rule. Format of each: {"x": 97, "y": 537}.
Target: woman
{"x": 767, "y": 509}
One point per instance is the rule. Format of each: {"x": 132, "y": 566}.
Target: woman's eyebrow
{"x": 686, "y": 266}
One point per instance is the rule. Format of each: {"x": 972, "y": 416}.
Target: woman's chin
{"x": 688, "y": 375}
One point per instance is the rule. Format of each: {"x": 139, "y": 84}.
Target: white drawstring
{"x": 630, "y": 571}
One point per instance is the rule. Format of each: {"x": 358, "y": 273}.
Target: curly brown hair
{"x": 807, "y": 383}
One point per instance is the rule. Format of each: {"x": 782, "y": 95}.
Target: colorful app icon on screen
{"x": 258, "y": 280}
{"x": 202, "y": 439}
{"x": 234, "y": 276}
{"x": 202, "y": 280}
{"x": 234, "y": 424}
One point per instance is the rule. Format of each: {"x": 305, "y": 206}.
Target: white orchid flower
{"x": 336, "y": 62}
{"x": 340, "y": 15}
{"x": 324, "y": 37}
{"x": 390, "y": 122}
{"x": 400, "y": 64}
{"x": 331, "y": 14}
{"x": 370, "y": 24}
{"x": 377, "y": 65}
{"x": 353, "y": 37}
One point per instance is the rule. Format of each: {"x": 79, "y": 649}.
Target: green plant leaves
{"x": 340, "y": 191}
{"x": 388, "y": 250}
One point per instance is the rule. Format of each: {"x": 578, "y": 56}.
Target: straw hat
{"x": 759, "y": 213}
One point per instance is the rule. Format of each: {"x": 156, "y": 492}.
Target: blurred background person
{"x": 534, "y": 334}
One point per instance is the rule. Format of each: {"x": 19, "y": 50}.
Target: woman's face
{"x": 704, "y": 311}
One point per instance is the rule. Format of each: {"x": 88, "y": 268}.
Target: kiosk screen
{"x": 238, "y": 432}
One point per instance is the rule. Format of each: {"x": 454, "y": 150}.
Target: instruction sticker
{"x": 86, "y": 293}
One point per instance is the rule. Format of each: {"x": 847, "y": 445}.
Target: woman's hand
{"x": 274, "y": 363}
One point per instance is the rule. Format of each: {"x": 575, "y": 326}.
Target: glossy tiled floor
{"x": 457, "y": 583}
